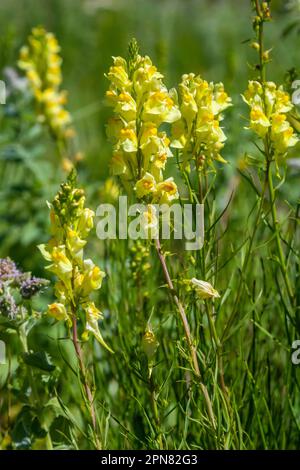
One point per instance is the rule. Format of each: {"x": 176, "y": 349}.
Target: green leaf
{"x": 40, "y": 360}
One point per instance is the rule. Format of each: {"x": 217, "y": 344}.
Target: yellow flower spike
{"x": 42, "y": 65}
{"x": 77, "y": 278}
{"x": 141, "y": 104}
{"x": 204, "y": 289}
{"x": 268, "y": 111}
{"x": 201, "y": 105}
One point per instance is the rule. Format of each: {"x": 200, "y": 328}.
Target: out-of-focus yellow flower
{"x": 110, "y": 191}
{"x": 41, "y": 62}
{"x": 149, "y": 343}
{"x": 198, "y": 131}
{"x": 204, "y": 289}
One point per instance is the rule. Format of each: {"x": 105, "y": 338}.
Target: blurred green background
{"x": 210, "y": 37}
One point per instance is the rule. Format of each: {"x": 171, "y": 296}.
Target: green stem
{"x": 155, "y": 410}
{"x": 190, "y": 341}
{"x": 281, "y": 257}
{"x": 248, "y": 254}
{"x": 88, "y": 393}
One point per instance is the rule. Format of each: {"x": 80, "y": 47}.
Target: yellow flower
{"x": 259, "y": 121}
{"x": 268, "y": 106}
{"x": 74, "y": 243}
{"x": 42, "y": 65}
{"x": 146, "y": 77}
{"x": 118, "y": 74}
{"x": 198, "y": 130}
{"x": 128, "y": 139}
{"x": 221, "y": 100}
{"x": 145, "y": 186}
{"x": 93, "y": 315}
{"x": 167, "y": 190}
{"x": 93, "y": 277}
{"x": 160, "y": 107}
{"x": 57, "y": 311}
{"x": 283, "y": 102}
{"x": 126, "y": 106}
{"x": 141, "y": 104}
{"x": 204, "y": 289}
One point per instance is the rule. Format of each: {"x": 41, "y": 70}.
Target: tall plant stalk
{"x": 187, "y": 331}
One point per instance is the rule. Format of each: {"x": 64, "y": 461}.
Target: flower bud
{"x": 204, "y": 289}
{"x": 149, "y": 343}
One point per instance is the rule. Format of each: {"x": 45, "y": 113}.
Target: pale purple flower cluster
{"x": 13, "y": 284}
{"x": 9, "y": 271}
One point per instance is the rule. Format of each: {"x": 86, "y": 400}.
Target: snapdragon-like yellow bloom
{"x": 145, "y": 185}
{"x": 77, "y": 277}
{"x": 93, "y": 315}
{"x": 58, "y": 311}
{"x": 166, "y": 191}
{"x": 141, "y": 104}
{"x": 198, "y": 132}
{"x": 204, "y": 289}
{"x": 41, "y": 62}
{"x": 269, "y": 106}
